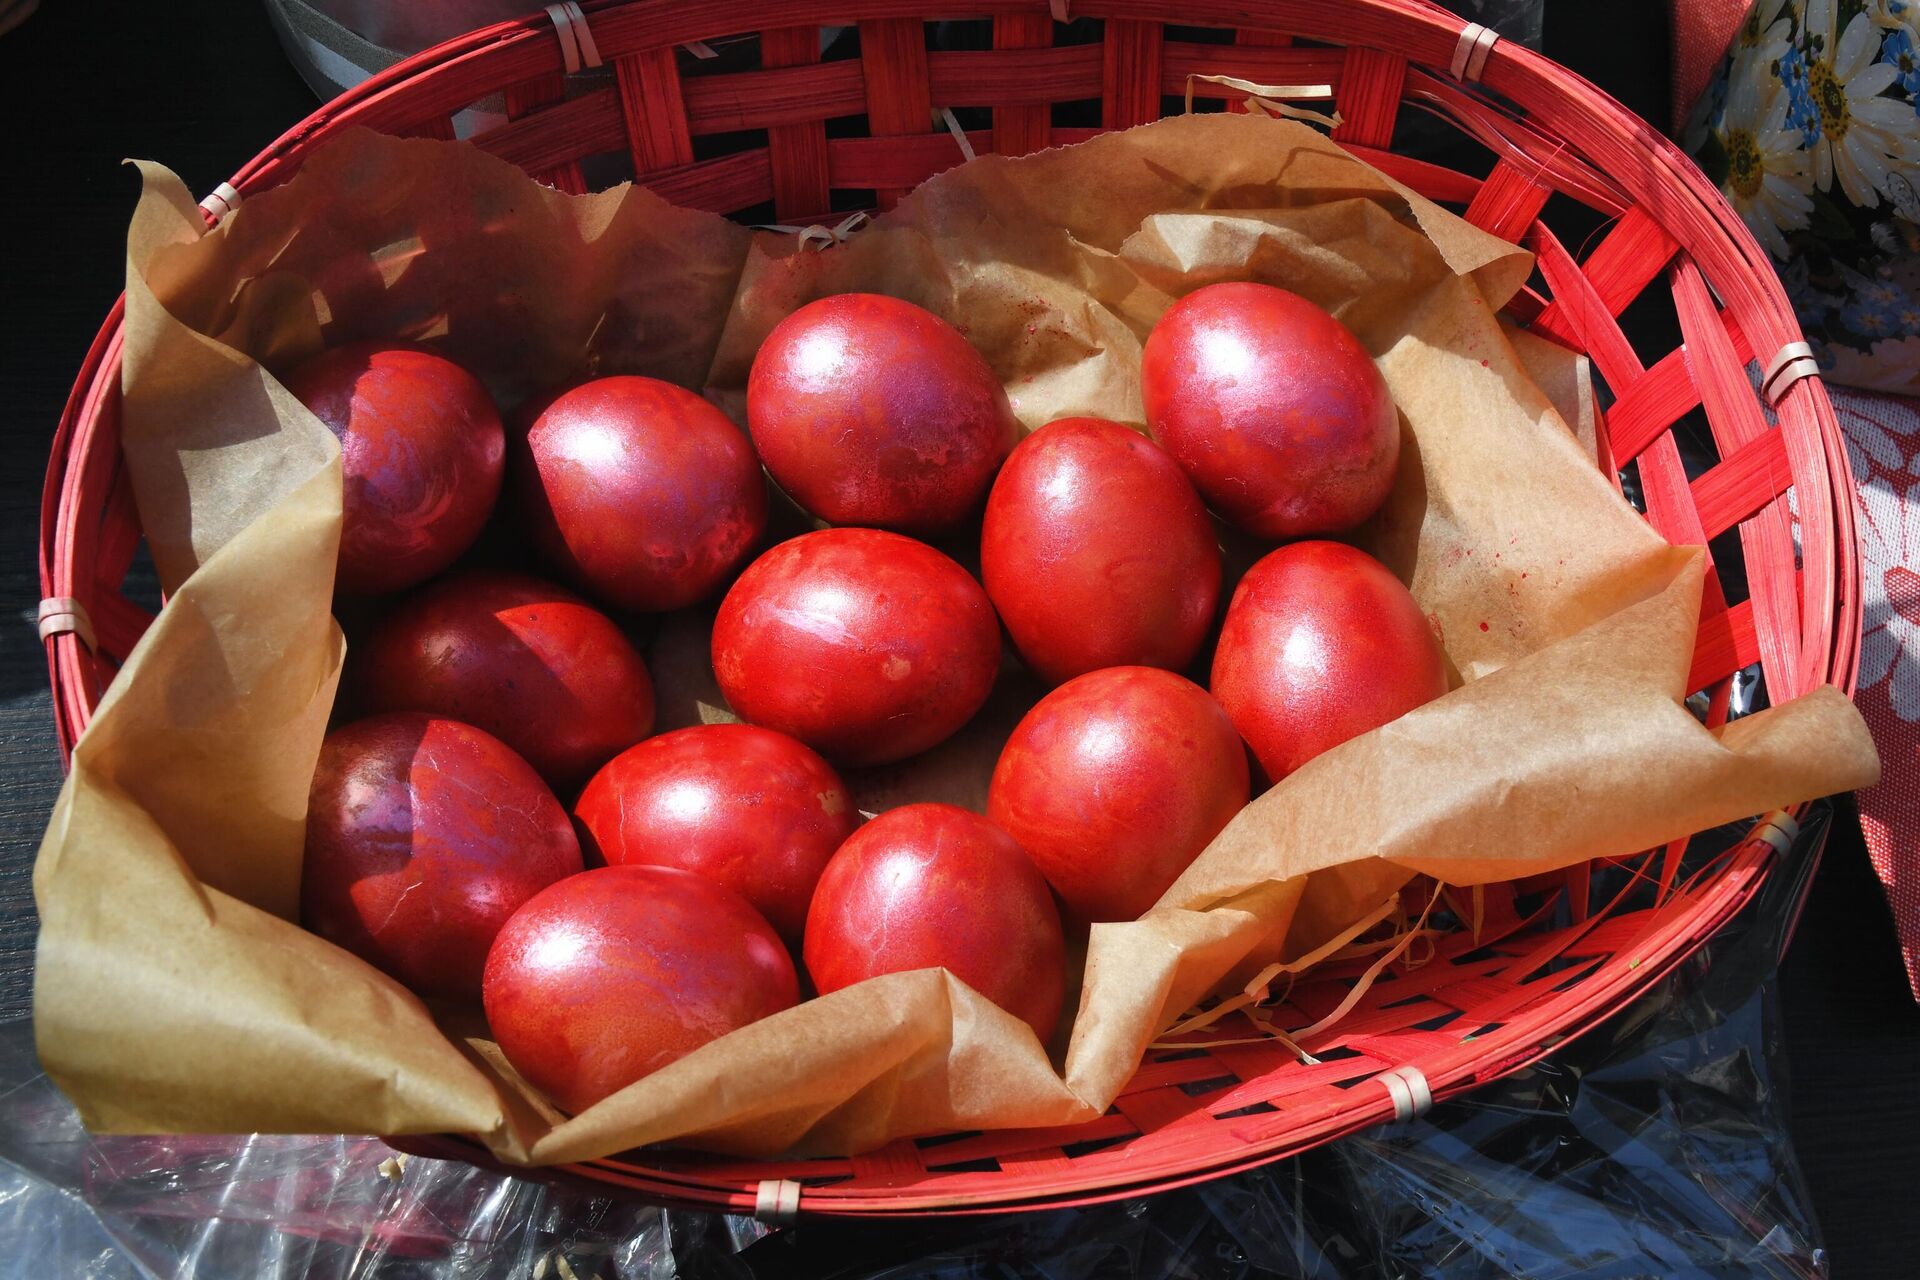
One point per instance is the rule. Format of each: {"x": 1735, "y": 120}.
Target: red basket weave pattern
{"x": 1547, "y": 960}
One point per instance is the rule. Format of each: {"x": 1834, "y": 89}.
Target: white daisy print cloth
{"x": 1811, "y": 128}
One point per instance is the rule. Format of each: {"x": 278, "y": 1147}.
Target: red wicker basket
{"x": 750, "y": 131}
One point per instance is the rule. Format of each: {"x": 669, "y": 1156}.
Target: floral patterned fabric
{"x": 1812, "y": 129}
{"x": 1883, "y": 440}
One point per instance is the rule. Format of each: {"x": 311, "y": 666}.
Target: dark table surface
{"x": 202, "y": 86}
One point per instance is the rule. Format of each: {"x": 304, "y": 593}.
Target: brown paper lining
{"x": 172, "y": 993}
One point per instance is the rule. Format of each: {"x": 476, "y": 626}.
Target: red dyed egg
{"x": 867, "y": 646}
{"x": 421, "y": 451}
{"x": 529, "y": 662}
{"x": 1097, "y": 552}
{"x": 1115, "y": 782}
{"x": 640, "y": 491}
{"x": 611, "y": 975}
{"x": 423, "y": 836}
{"x": 1273, "y": 408}
{"x": 871, "y": 411}
{"x": 932, "y": 885}
{"x": 745, "y": 807}
{"x": 1321, "y": 643}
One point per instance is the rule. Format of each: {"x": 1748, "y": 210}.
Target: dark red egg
{"x": 872, "y": 411}
{"x": 1097, "y": 552}
{"x": 1115, "y": 782}
{"x": 423, "y": 836}
{"x": 611, "y": 975}
{"x": 1321, "y": 643}
{"x": 867, "y": 646}
{"x": 640, "y": 492}
{"x": 421, "y": 453}
{"x": 1273, "y": 408}
{"x": 932, "y": 885}
{"x": 529, "y": 662}
{"x": 745, "y": 807}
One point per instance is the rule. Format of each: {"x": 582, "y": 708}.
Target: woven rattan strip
{"x": 1021, "y": 127}
{"x": 797, "y": 151}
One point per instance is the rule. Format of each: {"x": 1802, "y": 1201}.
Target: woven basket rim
{"x": 84, "y": 470}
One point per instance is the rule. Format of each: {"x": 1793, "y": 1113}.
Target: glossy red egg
{"x": 872, "y": 411}
{"x": 1097, "y": 552}
{"x": 423, "y": 836}
{"x": 932, "y": 885}
{"x": 421, "y": 453}
{"x": 640, "y": 492}
{"x": 1115, "y": 782}
{"x": 867, "y": 646}
{"x": 529, "y": 662}
{"x": 746, "y": 807}
{"x": 1273, "y": 408}
{"x": 611, "y": 975}
{"x": 1321, "y": 643}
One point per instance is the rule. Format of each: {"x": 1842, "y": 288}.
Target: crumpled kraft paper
{"x": 174, "y": 994}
